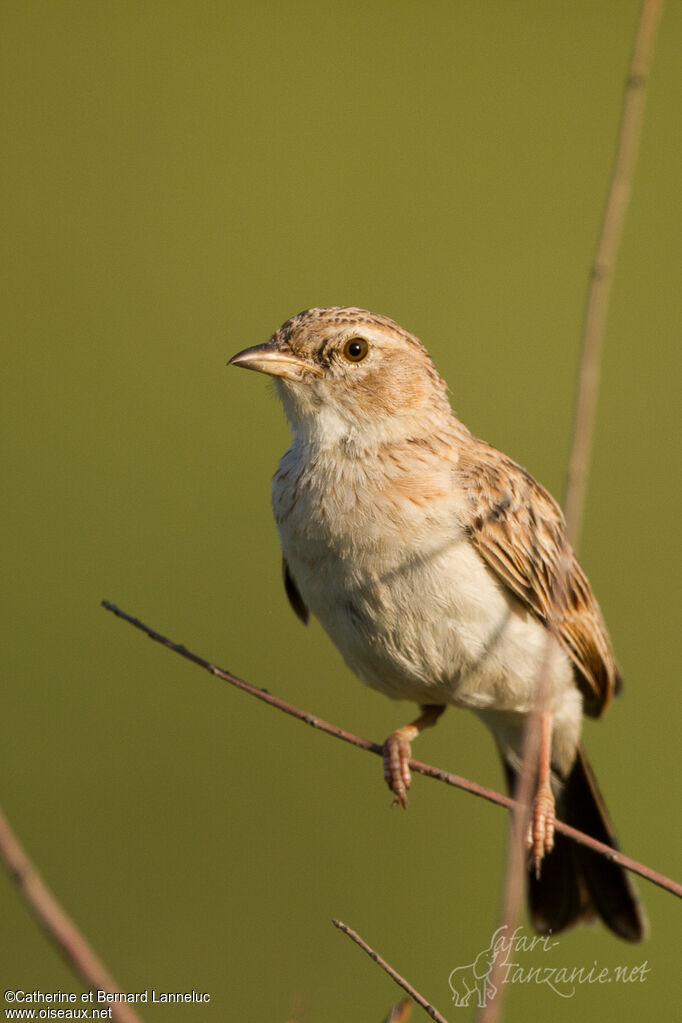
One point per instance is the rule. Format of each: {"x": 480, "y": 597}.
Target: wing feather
{"x": 292, "y": 592}
{"x": 521, "y": 533}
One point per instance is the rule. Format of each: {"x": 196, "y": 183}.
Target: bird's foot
{"x": 396, "y": 756}
{"x": 540, "y": 838}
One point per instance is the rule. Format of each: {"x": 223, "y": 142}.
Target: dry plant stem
{"x": 59, "y": 927}
{"x": 419, "y": 999}
{"x": 601, "y": 275}
{"x": 514, "y": 880}
{"x": 588, "y": 381}
{"x": 372, "y": 747}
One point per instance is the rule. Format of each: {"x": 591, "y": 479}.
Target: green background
{"x": 178, "y": 179}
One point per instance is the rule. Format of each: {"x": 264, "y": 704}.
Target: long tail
{"x": 576, "y": 884}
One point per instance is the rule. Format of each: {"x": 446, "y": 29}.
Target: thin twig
{"x": 596, "y": 308}
{"x": 59, "y": 927}
{"x": 372, "y": 747}
{"x": 601, "y": 276}
{"x": 514, "y": 879}
{"x": 405, "y": 985}
{"x": 515, "y": 872}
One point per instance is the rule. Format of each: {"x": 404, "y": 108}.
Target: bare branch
{"x": 372, "y": 747}
{"x": 601, "y": 276}
{"x": 58, "y": 926}
{"x": 514, "y": 881}
{"x": 405, "y": 985}
{"x": 599, "y": 290}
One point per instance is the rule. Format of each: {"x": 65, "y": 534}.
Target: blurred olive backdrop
{"x": 179, "y": 178}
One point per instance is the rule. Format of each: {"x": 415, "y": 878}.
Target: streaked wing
{"x": 520, "y": 531}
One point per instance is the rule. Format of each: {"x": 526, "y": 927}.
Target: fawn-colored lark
{"x": 442, "y": 572}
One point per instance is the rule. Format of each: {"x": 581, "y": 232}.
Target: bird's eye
{"x": 355, "y": 350}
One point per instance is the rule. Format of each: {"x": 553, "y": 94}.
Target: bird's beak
{"x": 270, "y": 358}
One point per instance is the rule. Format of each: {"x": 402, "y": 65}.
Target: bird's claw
{"x": 396, "y": 759}
{"x": 540, "y": 838}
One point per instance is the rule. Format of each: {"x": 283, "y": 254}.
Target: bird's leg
{"x": 540, "y": 839}
{"x": 397, "y": 753}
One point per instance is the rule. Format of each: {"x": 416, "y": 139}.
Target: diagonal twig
{"x": 58, "y": 925}
{"x": 372, "y": 747}
{"x": 404, "y": 984}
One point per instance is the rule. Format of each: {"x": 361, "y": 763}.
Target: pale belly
{"x": 434, "y": 628}
{"x": 413, "y": 608}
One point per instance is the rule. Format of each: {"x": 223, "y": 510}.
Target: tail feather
{"x": 577, "y": 884}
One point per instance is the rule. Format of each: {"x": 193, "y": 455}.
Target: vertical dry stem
{"x": 601, "y": 275}
{"x": 596, "y": 308}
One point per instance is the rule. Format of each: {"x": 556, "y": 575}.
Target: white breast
{"x": 410, "y": 604}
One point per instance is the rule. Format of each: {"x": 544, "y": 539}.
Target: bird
{"x": 442, "y": 572}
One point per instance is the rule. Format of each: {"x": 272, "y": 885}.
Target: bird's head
{"x": 340, "y": 372}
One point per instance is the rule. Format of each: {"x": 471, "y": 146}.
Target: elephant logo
{"x": 474, "y": 978}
